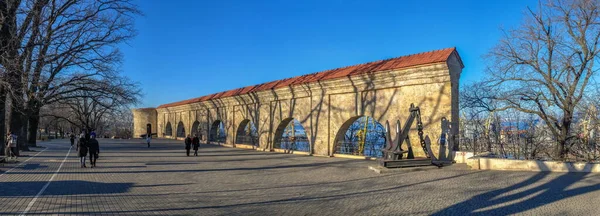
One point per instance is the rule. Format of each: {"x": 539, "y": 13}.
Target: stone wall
{"x": 141, "y": 118}
{"x": 483, "y": 163}
{"x": 325, "y": 107}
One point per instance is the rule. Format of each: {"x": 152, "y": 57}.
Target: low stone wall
{"x": 483, "y": 163}
{"x": 354, "y": 157}
{"x": 244, "y": 146}
{"x": 462, "y": 156}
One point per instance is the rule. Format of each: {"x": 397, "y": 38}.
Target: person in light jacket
{"x": 148, "y": 138}
{"x": 11, "y": 145}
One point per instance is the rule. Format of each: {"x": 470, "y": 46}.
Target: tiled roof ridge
{"x": 388, "y": 59}
{"x": 373, "y": 62}
{"x": 330, "y": 74}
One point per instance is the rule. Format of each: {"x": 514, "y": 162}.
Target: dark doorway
{"x": 180, "y": 130}
{"x": 218, "y": 132}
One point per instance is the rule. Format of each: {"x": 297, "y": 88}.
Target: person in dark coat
{"x": 195, "y": 144}
{"x": 82, "y": 148}
{"x": 94, "y": 149}
{"x": 72, "y": 138}
{"x": 188, "y": 144}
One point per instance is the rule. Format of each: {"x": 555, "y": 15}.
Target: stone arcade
{"x": 325, "y": 104}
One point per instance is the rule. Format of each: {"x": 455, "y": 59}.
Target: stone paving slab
{"x": 134, "y": 180}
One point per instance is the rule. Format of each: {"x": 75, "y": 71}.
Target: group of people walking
{"x": 192, "y": 142}
{"x": 87, "y": 144}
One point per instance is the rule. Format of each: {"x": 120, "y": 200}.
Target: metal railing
{"x": 371, "y": 149}
{"x": 250, "y": 140}
{"x": 293, "y": 143}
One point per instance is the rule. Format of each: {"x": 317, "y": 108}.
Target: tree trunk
{"x": 2, "y": 119}
{"x": 33, "y": 122}
{"x": 563, "y": 141}
{"x": 9, "y": 51}
{"x": 17, "y": 127}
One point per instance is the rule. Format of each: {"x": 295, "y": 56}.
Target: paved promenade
{"x": 133, "y": 180}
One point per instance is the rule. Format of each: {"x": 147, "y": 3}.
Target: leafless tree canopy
{"x": 544, "y": 67}
{"x": 87, "y": 108}
{"x": 103, "y": 109}
{"x": 52, "y": 49}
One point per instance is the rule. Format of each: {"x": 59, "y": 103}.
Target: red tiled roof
{"x": 366, "y": 68}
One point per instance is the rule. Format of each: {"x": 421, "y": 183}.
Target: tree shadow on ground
{"x": 276, "y": 167}
{"x": 169, "y": 163}
{"x": 102, "y": 166}
{"x": 321, "y": 197}
{"x": 508, "y": 201}
{"x": 10, "y": 189}
{"x": 32, "y": 166}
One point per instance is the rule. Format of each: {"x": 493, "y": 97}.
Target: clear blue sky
{"x": 187, "y": 49}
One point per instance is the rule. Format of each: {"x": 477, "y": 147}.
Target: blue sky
{"x": 187, "y": 49}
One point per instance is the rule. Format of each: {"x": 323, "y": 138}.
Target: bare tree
{"x": 87, "y": 109}
{"x": 544, "y": 67}
{"x": 55, "y": 44}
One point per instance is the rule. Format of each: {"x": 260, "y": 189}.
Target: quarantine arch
{"x": 247, "y": 133}
{"x": 362, "y": 136}
{"x": 324, "y": 101}
{"x": 290, "y": 135}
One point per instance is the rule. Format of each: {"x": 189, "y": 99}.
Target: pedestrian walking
{"x": 148, "y": 138}
{"x": 11, "y": 146}
{"x": 94, "y": 149}
{"x": 7, "y": 150}
{"x": 72, "y": 138}
{"x": 196, "y": 144}
{"x": 188, "y": 144}
{"x": 82, "y": 148}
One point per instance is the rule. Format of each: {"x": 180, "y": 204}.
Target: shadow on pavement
{"x": 32, "y": 166}
{"x": 306, "y": 165}
{"x": 8, "y": 189}
{"x": 277, "y": 201}
{"x": 508, "y": 201}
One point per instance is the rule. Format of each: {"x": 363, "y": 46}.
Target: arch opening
{"x": 196, "y": 130}
{"x": 290, "y": 135}
{"x": 362, "y": 136}
{"x": 168, "y": 129}
{"x": 180, "y": 130}
{"x": 218, "y": 132}
{"x": 247, "y": 133}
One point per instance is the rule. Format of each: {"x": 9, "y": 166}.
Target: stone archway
{"x": 247, "y": 133}
{"x": 290, "y": 135}
{"x": 362, "y": 136}
{"x": 180, "y": 130}
{"x": 217, "y": 132}
{"x": 168, "y": 129}
{"x": 196, "y": 129}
